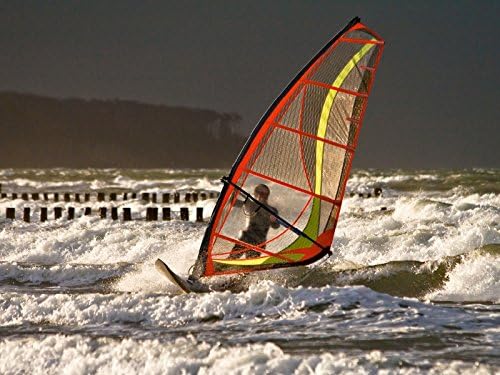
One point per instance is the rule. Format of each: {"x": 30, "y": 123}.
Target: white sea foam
{"x": 476, "y": 279}
{"x": 415, "y": 228}
{"x": 91, "y": 240}
{"x": 80, "y": 181}
{"x": 65, "y": 275}
{"x": 352, "y": 306}
{"x": 82, "y": 355}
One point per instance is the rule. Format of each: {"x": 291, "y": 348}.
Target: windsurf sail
{"x": 302, "y": 150}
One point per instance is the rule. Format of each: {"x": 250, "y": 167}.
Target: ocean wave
{"x": 475, "y": 279}
{"x": 63, "y": 275}
{"x": 415, "y": 240}
{"x": 481, "y": 181}
{"x": 443, "y": 279}
{"x": 79, "y": 354}
{"x": 92, "y": 240}
{"x": 266, "y": 302}
{"x": 415, "y": 228}
{"x": 88, "y": 180}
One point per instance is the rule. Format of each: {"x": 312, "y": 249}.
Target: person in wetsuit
{"x": 259, "y": 221}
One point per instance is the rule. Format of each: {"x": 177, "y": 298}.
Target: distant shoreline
{"x": 43, "y": 132}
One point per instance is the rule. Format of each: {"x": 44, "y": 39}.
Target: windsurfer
{"x": 258, "y": 223}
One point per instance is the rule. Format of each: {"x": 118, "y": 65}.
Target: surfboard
{"x": 187, "y": 286}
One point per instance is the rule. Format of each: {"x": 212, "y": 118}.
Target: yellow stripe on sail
{"x": 325, "y": 112}
{"x": 259, "y": 261}
{"x": 312, "y": 226}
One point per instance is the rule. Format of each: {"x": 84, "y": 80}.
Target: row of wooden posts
{"x": 101, "y": 197}
{"x": 151, "y": 213}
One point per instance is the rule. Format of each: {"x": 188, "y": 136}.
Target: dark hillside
{"x": 44, "y": 132}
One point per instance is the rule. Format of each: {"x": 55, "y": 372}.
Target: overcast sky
{"x": 434, "y": 103}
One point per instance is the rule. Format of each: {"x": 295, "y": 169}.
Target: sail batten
{"x": 301, "y": 152}
{"x": 320, "y": 139}
{"x": 310, "y": 192}
{"x": 334, "y": 88}
{"x": 361, "y": 41}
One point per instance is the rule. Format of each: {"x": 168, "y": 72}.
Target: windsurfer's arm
{"x": 239, "y": 200}
{"x": 274, "y": 220}
{"x": 239, "y": 203}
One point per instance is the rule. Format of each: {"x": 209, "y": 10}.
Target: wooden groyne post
{"x": 199, "y": 214}
{"x": 185, "y": 213}
{"x": 26, "y": 214}
{"x": 114, "y": 213}
{"x": 43, "y": 214}
{"x": 57, "y": 212}
{"x": 152, "y": 214}
{"x": 10, "y": 213}
{"x": 127, "y": 214}
{"x": 166, "y": 214}
{"x": 166, "y": 197}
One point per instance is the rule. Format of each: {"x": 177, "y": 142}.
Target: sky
{"x": 434, "y": 103}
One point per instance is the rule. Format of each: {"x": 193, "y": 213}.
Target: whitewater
{"x": 413, "y": 285}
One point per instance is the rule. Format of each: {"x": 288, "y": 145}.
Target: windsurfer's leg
{"x": 254, "y": 253}
{"x": 236, "y": 252}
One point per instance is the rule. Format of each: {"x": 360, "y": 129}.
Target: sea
{"x": 412, "y": 287}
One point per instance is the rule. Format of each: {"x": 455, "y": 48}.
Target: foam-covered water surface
{"x": 413, "y": 285}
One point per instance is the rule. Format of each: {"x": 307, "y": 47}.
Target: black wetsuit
{"x": 255, "y": 233}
